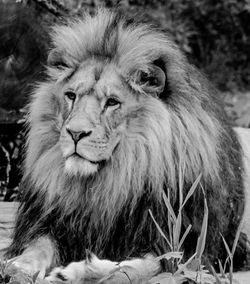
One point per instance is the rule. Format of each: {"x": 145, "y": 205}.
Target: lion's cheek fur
{"x": 44, "y": 123}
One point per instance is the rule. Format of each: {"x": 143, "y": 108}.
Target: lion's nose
{"x": 78, "y": 135}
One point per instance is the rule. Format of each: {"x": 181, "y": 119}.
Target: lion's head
{"x": 121, "y": 116}
{"x": 97, "y": 108}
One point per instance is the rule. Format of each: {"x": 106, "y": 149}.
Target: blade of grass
{"x": 160, "y": 230}
{"x": 181, "y": 170}
{"x": 217, "y": 279}
{"x": 169, "y": 255}
{"x": 177, "y": 231}
{"x": 237, "y": 237}
{"x": 202, "y": 238}
{"x": 184, "y": 236}
{"x": 170, "y": 223}
{"x": 184, "y": 266}
{"x": 226, "y": 262}
{"x": 222, "y": 271}
{"x": 227, "y": 247}
{"x": 181, "y": 175}
{"x": 192, "y": 189}
{"x": 230, "y": 256}
{"x": 169, "y": 206}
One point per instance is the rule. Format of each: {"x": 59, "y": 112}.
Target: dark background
{"x": 215, "y": 36}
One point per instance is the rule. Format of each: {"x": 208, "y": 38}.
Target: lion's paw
{"x": 57, "y": 274}
{"x": 28, "y": 266}
{"x": 74, "y": 272}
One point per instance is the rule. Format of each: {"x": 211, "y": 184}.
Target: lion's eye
{"x": 112, "y": 102}
{"x": 70, "y": 95}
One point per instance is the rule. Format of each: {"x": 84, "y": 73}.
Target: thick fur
{"x": 170, "y": 137}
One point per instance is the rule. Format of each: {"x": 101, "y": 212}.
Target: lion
{"x": 119, "y": 115}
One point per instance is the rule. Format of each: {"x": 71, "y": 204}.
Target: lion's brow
{"x": 98, "y": 72}
{"x": 71, "y": 73}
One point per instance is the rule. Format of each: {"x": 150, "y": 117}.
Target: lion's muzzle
{"x": 84, "y": 149}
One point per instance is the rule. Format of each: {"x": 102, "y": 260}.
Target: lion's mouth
{"x": 75, "y": 155}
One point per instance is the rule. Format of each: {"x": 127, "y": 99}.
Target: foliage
{"x": 11, "y": 144}
{"x": 221, "y": 40}
{"x": 191, "y": 271}
{"x": 22, "y": 49}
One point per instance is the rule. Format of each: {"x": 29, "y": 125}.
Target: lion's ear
{"x": 151, "y": 81}
{"x": 57, "y": 60}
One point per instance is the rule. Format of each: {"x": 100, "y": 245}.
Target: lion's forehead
{"x": 96, "y": 77}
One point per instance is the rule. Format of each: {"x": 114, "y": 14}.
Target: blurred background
{"x": 214, "y": 34}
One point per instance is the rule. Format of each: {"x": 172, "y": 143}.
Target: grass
{"x": 191, "y": 271}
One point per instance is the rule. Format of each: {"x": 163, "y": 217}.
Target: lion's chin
{"x": 79, "y": 166}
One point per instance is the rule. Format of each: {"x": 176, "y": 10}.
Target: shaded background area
{"x": 215, "y": 35}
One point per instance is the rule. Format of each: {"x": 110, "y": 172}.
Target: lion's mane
{"x": 184, "y": 130}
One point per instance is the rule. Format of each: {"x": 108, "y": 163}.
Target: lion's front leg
{"x": 128, "y": 271}
{"x": 38, "y": 256}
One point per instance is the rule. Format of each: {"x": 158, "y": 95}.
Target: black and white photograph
{"x": 124, "y": 142}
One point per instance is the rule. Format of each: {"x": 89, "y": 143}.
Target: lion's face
{"x": 95, "y": 105}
